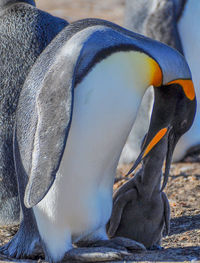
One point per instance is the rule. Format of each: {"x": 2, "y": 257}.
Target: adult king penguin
{"x": 173, "y": 23}
{"x": 75, "y": 112}
{"x": 24, "y": 32}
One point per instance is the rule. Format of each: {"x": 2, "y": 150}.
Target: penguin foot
{"x": 119, "y": 243}
{"x": 94, "y": 254}
{"x": 25, "y": 244}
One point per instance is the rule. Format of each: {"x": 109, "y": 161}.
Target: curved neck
{"x": 4, "y": 3}
{"x": 152, "y": 167}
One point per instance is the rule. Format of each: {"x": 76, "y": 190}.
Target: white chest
{"x": 105, "y": 106}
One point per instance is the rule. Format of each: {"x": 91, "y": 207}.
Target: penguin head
{"x": 184, "y": 112}
{"x": 174, "y": 108}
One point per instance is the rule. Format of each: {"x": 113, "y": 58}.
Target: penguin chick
{"x": 75, "y": 111}
{"x": 24, "y": 32}
{"x": 140, "y": 209}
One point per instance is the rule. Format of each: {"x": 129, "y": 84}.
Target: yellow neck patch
{"x": 187, "y": 86}
{"x": 156, "y": 73}
{"x": 145, "y": 70}
{"x": 155, "y": 140}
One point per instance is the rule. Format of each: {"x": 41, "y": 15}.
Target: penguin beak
{"x": 149, "y": 143}
{"x": 146, "y": 148}
{"x": 172, "y": 141}
{"x": 165, "y": 120}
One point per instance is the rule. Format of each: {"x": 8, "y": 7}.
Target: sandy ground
{"x": 183, "y": 189}
{"x": 72, "y": 10}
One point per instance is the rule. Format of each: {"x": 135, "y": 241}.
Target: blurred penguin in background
{"x": 24, "y": 32}
{"x": 175, "y": 23}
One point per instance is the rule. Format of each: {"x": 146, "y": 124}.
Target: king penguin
{"x": 75, "y": 111}
{"x": 175, "y": 23}
{"x": 24, "y": 32}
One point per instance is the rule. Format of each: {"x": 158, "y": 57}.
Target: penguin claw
{"x": 118, "y": 243}
{"x": 95, "y": 254}
{"x": 104, "y": 250}
{"x": 129, "y": 244}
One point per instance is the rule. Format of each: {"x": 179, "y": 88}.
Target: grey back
{"x": 24, "y": 32}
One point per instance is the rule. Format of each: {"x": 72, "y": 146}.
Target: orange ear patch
{"x": 187, "y": 85}
{"x": 154, "y": 141}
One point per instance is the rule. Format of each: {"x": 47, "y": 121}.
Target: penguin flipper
{"x": 118, "y": 208}
{"x": 54, "y": 112}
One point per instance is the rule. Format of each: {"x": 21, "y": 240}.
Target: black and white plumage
{"x": 75, "y": 112}
{"x": 24, "y": 32}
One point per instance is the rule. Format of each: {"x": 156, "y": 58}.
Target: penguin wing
{"x": 46, "y": 101}
{"x": 54, "y": 112}
{"x": 119, "y": 206}
{"x": 44, "y": 116}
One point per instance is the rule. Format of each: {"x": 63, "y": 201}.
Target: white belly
{"x": 188, "y": 27}
{"x": 80, "y": 201}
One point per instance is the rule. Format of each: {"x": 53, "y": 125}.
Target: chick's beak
{"x": 172, "y": 141}
{"x": 149, "y": 143}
